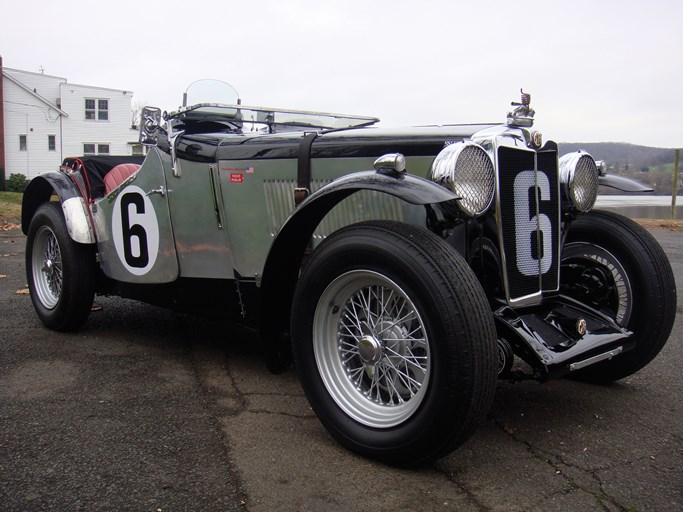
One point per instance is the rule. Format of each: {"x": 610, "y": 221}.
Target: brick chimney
{"x": 2, "y": 129}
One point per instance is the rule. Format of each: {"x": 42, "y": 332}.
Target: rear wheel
{"x": 60, "y": 272}
{"x": 394, "y": 342}
{"x": 613, "y": 264}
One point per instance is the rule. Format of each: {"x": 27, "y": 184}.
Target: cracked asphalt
{"x": 145, "y": 409}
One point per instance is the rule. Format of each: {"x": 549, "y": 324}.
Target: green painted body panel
{"x": 258, "y": 198}
{"x": 202, "y": 244}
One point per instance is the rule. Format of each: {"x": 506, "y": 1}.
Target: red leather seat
{"x": 118, "y": 175}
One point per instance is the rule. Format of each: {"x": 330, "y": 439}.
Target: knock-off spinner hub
{"x": 370, "y": 349}
{"x": 48, "y": 267}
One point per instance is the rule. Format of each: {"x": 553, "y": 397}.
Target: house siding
{"x": 43, "y": 105}
{"x": 115, "y": 131}
{"x": 24, "y": 116}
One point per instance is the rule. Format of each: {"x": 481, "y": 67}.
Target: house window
{"x": 51, "y": 143}
{"x": 96, "y": 109}
{"x": 90, "y": 112}
{"x": 22, "y": 142}
{"x": 137, "y": 149}
{"x": 95, "y": 149}
{"x": 102, "y": 110}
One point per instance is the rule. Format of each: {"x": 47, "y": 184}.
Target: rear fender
{"x": 281, "y": 270}
{"x": 76, "y": 216}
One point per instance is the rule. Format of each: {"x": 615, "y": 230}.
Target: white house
{"x": 46, "y": 119}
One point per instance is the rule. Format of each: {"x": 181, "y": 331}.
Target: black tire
{"x": 437, "y": 366}
{"x": 612, "y": 263}
{"x": 60, "y": 272}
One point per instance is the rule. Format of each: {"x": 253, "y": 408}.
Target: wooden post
{"x": 674, "y": 188}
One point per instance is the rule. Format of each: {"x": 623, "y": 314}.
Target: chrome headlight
{"x": 467, "y": 170}
{"x": 579, "y": 178}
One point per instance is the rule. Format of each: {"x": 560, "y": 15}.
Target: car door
{"x": 197, "y": 211}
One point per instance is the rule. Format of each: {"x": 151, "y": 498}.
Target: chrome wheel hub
{"x": 48, "y": 267}
{"x": 370, "y": 350}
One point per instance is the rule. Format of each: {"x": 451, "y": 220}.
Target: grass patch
{"x": 11, "y": 197}
{"x": 10, "y": 207}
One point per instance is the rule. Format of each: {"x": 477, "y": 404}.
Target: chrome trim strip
{"x": 559, "y": 225}
{"x": 217, "y": 193}
{"x": 499, "y": 219}
{"x": 596, "y": 359}
{"x": 527, "y": 300}
{"x": 173, "y": 138}
{"x": 111, "y": 197}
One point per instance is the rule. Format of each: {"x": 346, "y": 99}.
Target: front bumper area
{"x": 561, "y": 335}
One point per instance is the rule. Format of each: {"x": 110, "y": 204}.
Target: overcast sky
{"x": 597, "y": 70}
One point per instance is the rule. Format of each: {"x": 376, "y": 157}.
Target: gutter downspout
{"x": 2, "y": 129}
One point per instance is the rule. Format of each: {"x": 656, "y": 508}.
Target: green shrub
{"x": 16, "y": 183}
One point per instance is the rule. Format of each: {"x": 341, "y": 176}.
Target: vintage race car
{"x": 402, "y": 271}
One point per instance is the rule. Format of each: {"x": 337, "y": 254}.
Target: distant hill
{"x": 621, "y": 154}
{"x": 653, "y": 166}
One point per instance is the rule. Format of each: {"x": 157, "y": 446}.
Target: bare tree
{"x": 135, "y": 112}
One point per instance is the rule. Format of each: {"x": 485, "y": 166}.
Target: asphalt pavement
{"x": 145, "y": 409}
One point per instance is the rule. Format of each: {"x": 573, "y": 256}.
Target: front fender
{"x": 410, "y": 188}
{"x": 76, "y": 216}
{"x": 288, "y": 248}
{"x": 623, "y": 184}
{"x": 281, "y": 270}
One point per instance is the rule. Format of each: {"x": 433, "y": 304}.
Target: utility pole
{"x": 674, "y": 187}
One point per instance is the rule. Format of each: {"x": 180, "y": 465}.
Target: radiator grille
{"x": 529, "y": 216}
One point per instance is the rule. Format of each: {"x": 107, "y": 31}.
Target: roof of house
{"x": 33, "y": 93}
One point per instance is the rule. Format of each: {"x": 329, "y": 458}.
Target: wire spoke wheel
{"x": 378, "y": 368}
{"x": 394, "y": 342}
{"x": 60, "y": 272}
{"x": 47, "y": 267}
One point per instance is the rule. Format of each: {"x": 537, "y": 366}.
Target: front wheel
{"x": 394, "y": 342}
{"x": 60, "y": 272}
{"x": 613, "y": 264}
